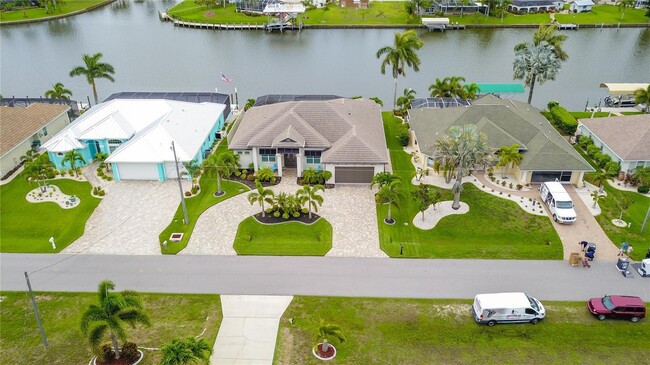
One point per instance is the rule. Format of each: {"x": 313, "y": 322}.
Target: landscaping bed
{"x": 270, "y": 219}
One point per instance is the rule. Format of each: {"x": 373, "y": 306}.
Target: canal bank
{"x": 61, "y": 16}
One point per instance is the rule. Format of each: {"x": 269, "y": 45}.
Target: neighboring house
{"x": 25, "y": 128}
{"x": 454, "y": 7}
{"x": 343, "y": 136}
{"x": 626, "y": 139}
{"x": 361, "y": 4}
{"x": 580, "y": 6}
{"x": 547, "y": 156}
{"x": 532, "y": 6}
{"x": 137, "y": 134}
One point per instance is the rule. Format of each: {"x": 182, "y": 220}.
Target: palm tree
{"x": 389, "y": 194}
{"x": 58, "y": 91}
{"x": 440, "y": 88}
{"x": 109, "y": 316}
{"x": 546, "y": 33}
{"x": 249, "y": 104}
{"x": 509, "y": 156}
{"x": 642, "y": 96}
{"x": 29, "y": 156}
{"x": 221, "y": 165}
{"x": 535, "y": 63}
{"x": 94, "y": 70}
{"x": 72, "y": 157}
{"x": 400, "y": 55}
{"x": 600, "y": 178}
{"x": 260, "y": 196}
{"x": 404, "y": 101}
{"x": 456, "y": 87}
{"x": 377, "y": 100}
{"x": 445, "y": 158}
{"x": 643, "y": 175}
{"x": 326, "y": 332}
{"x": 382, "y": 179}
{"x": 469, "y": 91}
{"x": 194, "y": 169}
{"x": 188, "y": 351}
{"x": 38, "y": 169}
{"x": 622, "y": 4}
{"x": 310, "y": 196}
{"x": 462, "y": 147}
{"x": 595, "y": 196}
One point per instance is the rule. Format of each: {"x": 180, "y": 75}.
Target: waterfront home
{"x": 547, "y": 156}
{"x": 343, "y": 136}
{"x": 454, "y": 7}
{"x": 532, "y": 6}
{"x": 581, "y": 6}
{"x": 137, "y": 133}
{"x": 26, "y": 128}
{"x": 626, "y": 139}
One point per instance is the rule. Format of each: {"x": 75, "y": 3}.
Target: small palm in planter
{"x": 327, "y": 332}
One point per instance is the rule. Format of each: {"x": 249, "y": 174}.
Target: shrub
{"x": 643, "y": 189}
{"x": 403, "y": 135}
{"x": 592, "y": 150}
{"x": 552, "y": 104}
{"x": 519, "y": 186}
{"x": 503, "y": 183}
{"x": 109, "y": 178}
{"x": 598, "y": 155}
{"x": 492, "y": 178}
{"x": 250, "y": 177}
{"x": 510, "y": 185}
{"x": 106, "y": 353}
{"x": 585, "y": 142}
{"x": 285, "y": 215}
{"x": 490, "y": 174}
{"x": 265, "y": 175}
{"x": 564, "y": 120}
{"x": 52, "y": 174}
{"x": 243, "y": 175}
{"x": 305, "y": 210}
{"x": 296, "y": 214}
{"x": 195, "y": 189}
{"x": 276, "y": 214}
{"x": 130, "y": 352}
{"x": 603, "y": 160}
{"x": 612, "y": 167}
{"x": 188, "y": 193}
{"x": 102, "y": 193}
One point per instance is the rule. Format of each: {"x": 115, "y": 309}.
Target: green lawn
{"x": 171, "y": 316}
{"x": 585, "y": 115}
{"x": 196, "y": 206}
{"x": 494, "y": 228}
{"x": 508, "y": 19}
{"x": 379, "y": 13}
{"x": 27, "y": 227}
{"x": 607, "y": 14}
{"x": 38, "y": 13}
{"x": 284, "y": 239}
{"x": 419, "y": 331}
{"x": 631, "y": 113}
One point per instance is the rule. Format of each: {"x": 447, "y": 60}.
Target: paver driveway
{"x": 350, "y": 210}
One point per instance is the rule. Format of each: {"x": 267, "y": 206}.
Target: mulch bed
{"x": 251, "y": 183}
{"x": 325, "y": 354}
{"x": 120, "y": 361}
{"x": 270, "y": 219}
{"x": 327, "y": 186}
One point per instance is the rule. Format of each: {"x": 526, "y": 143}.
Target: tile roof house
{"x": 137, "y": 135}
{"x": 24, "y": 128}
{"x": 625, "y": 139}
{"x": 546, "y": 154}
{"x": 343, "y": 136}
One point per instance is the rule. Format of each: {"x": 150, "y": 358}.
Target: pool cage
{"x": 438, "y": 103}
{"x": 454, "y": 7}
{"x": 254, "y": 6}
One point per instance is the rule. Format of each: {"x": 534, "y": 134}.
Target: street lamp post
{"x": 186, "y": 220}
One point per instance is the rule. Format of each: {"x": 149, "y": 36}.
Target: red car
{"x": 617, "y": 306}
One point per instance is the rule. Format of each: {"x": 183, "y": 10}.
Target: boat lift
{"x": 287, "y": 15}
{"x": 621, "y": 94}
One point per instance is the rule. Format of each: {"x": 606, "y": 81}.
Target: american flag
{"x": 225, "y": 78}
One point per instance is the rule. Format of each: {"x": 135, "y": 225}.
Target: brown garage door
{"x": 353, "y": 175}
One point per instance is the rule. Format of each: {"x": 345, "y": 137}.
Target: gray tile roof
{"x": 628, "y": 136}
{"x": 505, "y": 122}
{"x": 349, "y": 130}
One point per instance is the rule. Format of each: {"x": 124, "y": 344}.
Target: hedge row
{"x": 563, "y": 120}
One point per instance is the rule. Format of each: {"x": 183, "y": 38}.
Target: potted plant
{"x": 323, "y": 350}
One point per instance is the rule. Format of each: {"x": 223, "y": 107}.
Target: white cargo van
{"x": 558, "y": 201}
{"x": 507, "y": 308}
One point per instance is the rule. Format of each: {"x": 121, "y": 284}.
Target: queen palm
{"x": 389, "y": 194}
{"x": 456, "y": 87}
{"x": 309, "y": 195}
{"x": 464, "y": 147}
{"x": 382, "y": 179}
{"x": 440, "y": 89}
{"x": 261, "y": 196}
{"x": 58, "y": 91}
{"x": 187, "y": 351}
{"x": 642, "y": 96}
{"x": 38, "y": 169}
{"x": 401, "y": 54}
{"x": 509, "y": 156}
{"x": 469, "y": 91}
{"x": 113, "y": 311}
{"x": 600, "y": 178}
{"x": 535, "y": 63}
{"x": 404, "y": 101}
{"x": 73, "y": 157}
{"x": 221, "y": 165}
{"x": 93, "y": 70}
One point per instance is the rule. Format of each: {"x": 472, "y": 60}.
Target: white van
{"x": 558, "y": 201}
{"x": 507, "y": 308}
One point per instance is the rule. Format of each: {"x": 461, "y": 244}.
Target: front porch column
{"x": 524, "y": 177}
{"x": 580, "y": 182}
{"x": 278, "y": 161}
{"x": 299, "y": 164}
{"x": 255, "y": 159}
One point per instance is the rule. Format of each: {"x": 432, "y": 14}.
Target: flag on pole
{"x": 224, "y": 78}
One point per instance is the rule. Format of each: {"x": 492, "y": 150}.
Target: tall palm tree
{"x": 261, "y": 196}
{"x": 440, "y": 89}
{"x": 389, "y": 194}
{"x": 462, "y": 148}
{"x": 382, "y": 179}
{"x": 94, "y": 69}
{"x": 187, "y": 351}
{"x": 37, "y": 170}
{"x": 113, "y": 311}
{"x": 310, "y": 196}
{"x": 29, "y": 156}
{"x": 326, "y": 332}
{"x": 404, "y": 101}
{"x": 622, "y": 4}
{"x": 401, "y": 54}
{"x": 221, "y": 165}
{"x": 456, "y": 87}
{"x": 642, "y": 96}
{"x": 72, "y": 157}
{"x": 58, "y": 91}
{"x": 509, "y": 156}
{"x": 546, "y": 33}
{"x": 535, "y": 64}
{"x": 469, "y": 91}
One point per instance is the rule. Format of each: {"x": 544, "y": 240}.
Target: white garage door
{"x": 138, "y": 171}
{"x": 353, "y": 174}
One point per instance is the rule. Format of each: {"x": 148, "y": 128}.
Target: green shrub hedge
{"x": 612, "y": 167}
{"x": 603, "y": 159}
{"x": 592, "y": 150}
{"x": 564, "y": 120}
{"x": 585, "y": 142}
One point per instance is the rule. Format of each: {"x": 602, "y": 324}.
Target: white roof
{"x": 503, "y": 300}
{"x": 150, "y": 125}
{"x": 284, "y": 8}
{"x": 623, "y": 88}
{"x": 583, "y": 2}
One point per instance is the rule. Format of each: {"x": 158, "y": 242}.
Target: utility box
{"x": 622, "y": 264}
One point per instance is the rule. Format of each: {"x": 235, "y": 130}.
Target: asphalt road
{"x": 326, "y": 276}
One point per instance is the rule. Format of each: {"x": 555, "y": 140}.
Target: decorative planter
{"x": 176, "y": 237}
{"x": 93, "y": 361}
{"x": 331, "y": 353}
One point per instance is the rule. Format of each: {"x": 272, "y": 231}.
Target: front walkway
{"x": 249, "y": 329}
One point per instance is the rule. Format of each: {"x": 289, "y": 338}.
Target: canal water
{"x": 149, "y": 55}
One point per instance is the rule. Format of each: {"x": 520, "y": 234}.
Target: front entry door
{"x": 289, "y": 160}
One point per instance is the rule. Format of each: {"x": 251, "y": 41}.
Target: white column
{"x": 278, "y": 160}
{"x": 299, "y": 162}
{"x": 580, "y": 177}
{"x": 256, "y": 159}
{"x": 524, "y": 177}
